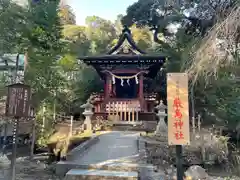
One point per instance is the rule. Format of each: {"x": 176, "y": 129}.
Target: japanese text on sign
{"x": 178, "y": 118}
{"x": 18, "y": 100}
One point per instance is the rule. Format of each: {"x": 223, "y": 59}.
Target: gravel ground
{"x": 38, "y": 170}
{"x": 27, "y": 170}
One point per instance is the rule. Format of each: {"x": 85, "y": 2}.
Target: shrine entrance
{"x": 126, "y": 89}
{"x": 124, "y": 69}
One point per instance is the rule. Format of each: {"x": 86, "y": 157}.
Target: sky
{"x": 107, "y": 9}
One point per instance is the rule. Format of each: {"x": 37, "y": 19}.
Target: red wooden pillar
{"x": 141, "y": 95}
{"x": 108, "y": 86}
{"x": 141, "y": 86}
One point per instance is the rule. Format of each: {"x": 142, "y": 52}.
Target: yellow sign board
{"x": 178, "y": 109}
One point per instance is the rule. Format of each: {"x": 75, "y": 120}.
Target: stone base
{"x": 64, "y": 167}
{"x": 80, "y": 174}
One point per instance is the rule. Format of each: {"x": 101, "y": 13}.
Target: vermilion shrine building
{"x": 123, "y": 70}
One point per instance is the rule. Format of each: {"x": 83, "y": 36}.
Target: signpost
{"x": 178, "y": 115}
{"x": 17, "y": 106}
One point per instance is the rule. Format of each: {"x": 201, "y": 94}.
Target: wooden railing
{"x": 123, "y": 109}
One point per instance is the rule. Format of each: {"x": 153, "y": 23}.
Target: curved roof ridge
{"x": 126, "y": 34}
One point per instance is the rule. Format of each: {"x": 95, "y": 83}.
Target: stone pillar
{"x": 161, "y": 126}
{"x": 88, "y": 114}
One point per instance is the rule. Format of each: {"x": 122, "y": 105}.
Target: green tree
{"x": 44, "y": 47}
{"x": 118, "y": 24}
{"x": 13, "y": 23}
{"x": 101, "y": 31}
{"x": 77, "y": 39}
{"x": 142, "y": 37}
{"x": 67, "y": 17}
{"x": 181, "y": 46}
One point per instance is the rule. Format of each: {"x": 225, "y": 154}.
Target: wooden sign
{"x": 18, "y": 100}
{"x": 178, "y": 109}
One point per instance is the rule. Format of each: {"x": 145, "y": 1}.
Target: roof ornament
{"x": 126, "y": 29}
{"x": 125, "y": 49}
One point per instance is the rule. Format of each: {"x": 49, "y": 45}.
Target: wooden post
{"x": 133, "y": 112}
{"x": 117, "y": 111}
{"x": 71, "y": 127}
{"x": 14, "y": 148}
{"x": 137, "y": 113}
{"x": 5, "y": 136}
{"x": 179, "y": 162}
{"x": 109, "y": 110}
{"x": 43, "y": 119}
{"x": 54, "y": 112}
{"x": 199, "y": 123}
{"x": 33, "y": 138}
{"x": 192, "y": 101}
{"x": 112, "y": 110}
{"x": 54, "y": 108}
{"x": 125, "y": 111}
{"x": 121, "y": 111}
{"x": 193, "y": 126}
{"x": 129, "y": 111}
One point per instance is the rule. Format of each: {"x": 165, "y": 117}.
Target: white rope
{"x": 122, "y": 78}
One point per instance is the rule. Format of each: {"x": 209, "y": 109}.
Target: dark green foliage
{"x": 218, "y": 101}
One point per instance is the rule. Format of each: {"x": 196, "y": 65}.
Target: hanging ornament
{"x": 122, "y": 78}
{"x": 122, "y": 81}
{"x": 128, "y": 82}
{"x": 136, "y": 79}
{"x": 113, "y": 80}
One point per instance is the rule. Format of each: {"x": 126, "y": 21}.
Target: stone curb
{"x": 141, "y": 148}
{"x": 63, "y": 167}
{"x": 146, "y": 172}
{"x": 84, "y": 146}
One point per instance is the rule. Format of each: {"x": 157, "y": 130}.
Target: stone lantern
{"x": 88, "y": 114}
{"x": 161, "y": 126}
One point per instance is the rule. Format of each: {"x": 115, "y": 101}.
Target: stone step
{"x": 83, "y": 174}
{"x": 64, "y": 166}
{"x": 133, "y": 123}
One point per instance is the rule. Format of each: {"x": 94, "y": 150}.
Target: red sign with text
{"x": 178, "y": 109}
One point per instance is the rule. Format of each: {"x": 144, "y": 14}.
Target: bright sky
{"x": 107, "y": 9}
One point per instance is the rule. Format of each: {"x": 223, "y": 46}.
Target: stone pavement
{"x": 118, "y": 151}
{"x": 112, "y": 147}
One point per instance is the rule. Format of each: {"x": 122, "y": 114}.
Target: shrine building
{"x": 123, "y": 70}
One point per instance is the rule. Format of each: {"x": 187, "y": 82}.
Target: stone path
{"x": 118, "y": 151}
{"x": 112, "y": 147}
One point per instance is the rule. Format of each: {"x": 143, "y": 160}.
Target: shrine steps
{"x": 83, "y": 174}
{"x": 127, "y": 125}
{"x": 63, "y": 167}
{"x": 121, "y": 171}
{"x": 133, "y": 123}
